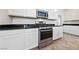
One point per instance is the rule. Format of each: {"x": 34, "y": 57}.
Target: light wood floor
{"x": 69, "y": 42}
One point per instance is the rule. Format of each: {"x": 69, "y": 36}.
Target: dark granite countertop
{"x": 11, "y": 26}
{"x": 23, "y": 26}
{"x": 71, "y": 24}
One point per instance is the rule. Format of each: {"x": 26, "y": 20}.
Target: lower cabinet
{"x": 71, "y": 29}
{"x": 57, "y": 32}
{"x": 60, "y": 32}
{"x": 31, "y": 38}
{"x": 19, "y": 39}
{"x": 14, "y": 41}
{"x": 3, "y": 44}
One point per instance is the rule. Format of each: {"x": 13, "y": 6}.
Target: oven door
{"x": 45, "y": 35}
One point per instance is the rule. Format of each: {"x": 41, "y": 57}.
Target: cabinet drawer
{"x": 10, "y": 32}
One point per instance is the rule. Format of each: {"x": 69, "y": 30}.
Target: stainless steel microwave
{"x": 42, "y": 14}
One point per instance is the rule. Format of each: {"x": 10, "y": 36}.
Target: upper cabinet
{"x": 52, "y": 14}
{"x": 71, "y": 14}
{"x": 22, "y": 12}
{"x": 60, "y": 16}
{"x": 16, "y": 12}
{"x": 30, "y": 13}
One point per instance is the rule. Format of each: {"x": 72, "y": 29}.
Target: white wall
{"x": 4, "y": 18}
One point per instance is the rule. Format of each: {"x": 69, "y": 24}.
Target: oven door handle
{"x": 45, "y": 30}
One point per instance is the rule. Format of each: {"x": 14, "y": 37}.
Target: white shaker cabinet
{"x": 2, "y": 44}
{"x": 16, "y": 12}
{"x": 60, "y": 32}
{"x": 30, "y": 13}
{"x": 15, "y": 42}
{"x": 57, "y": 32}
{"x": 22, "y": 12}
{"x": 71, "y": 29}
{"x": 31, "y": 38}
{"x": 52, "y": 14}
{"x": 19, "y": 39}
{"x": 71, "y": 14}
{"x": 12, "y": 39}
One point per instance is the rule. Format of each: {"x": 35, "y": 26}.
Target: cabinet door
{"x": 52, "y": 14}
{"x": 55, "y": 33}
{"x": 12, "y": 39}
{"x": 30, "y": 13}
{"x": 31, "y": 38}
{"x": 67, "y": 29}
{"x": 15, "y": 42}
{"x": 60, "y": 32}
{"x": 76, "y": 14}
{"x": 70, "y": 14}
{"x": 22, "y": 12}
{"x": 12, "y": 42}
{"x": 3, "y": 43}
{"x": 16, "y": 12}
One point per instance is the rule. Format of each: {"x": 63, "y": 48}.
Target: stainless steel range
{"x": 45, "y": 30}
{"x": 45, "y": 36}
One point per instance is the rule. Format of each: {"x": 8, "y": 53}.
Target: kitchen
{"x": 39, "y": 29}
{"x": 23, "y": 29}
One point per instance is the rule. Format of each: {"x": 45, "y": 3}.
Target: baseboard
{"x": 35, "y": 48}
{"x": 58, "y": 39}
{"x": 71, "y": 34}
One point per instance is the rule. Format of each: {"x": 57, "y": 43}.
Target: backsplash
{"x": 17, "y": 20}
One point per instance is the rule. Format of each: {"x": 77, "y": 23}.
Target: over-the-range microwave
{"x": 42, "y": 14}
